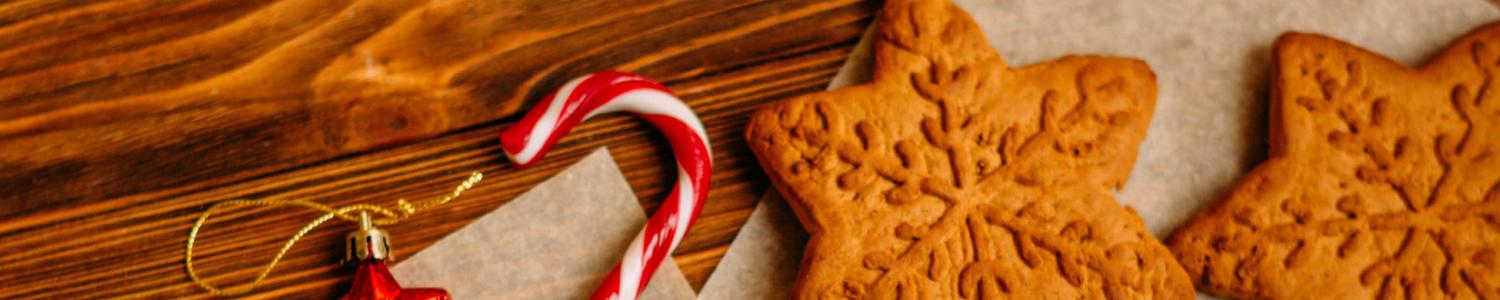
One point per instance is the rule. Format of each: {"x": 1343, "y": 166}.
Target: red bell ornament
{"x": 369, "y": 249}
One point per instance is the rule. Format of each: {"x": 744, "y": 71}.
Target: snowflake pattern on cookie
{"x": 956, "y": 176}
{"x": 1383, "y": 181}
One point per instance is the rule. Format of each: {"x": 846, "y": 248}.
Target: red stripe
{"x": 594, "y": 91}
{"x": 688, "y": 147}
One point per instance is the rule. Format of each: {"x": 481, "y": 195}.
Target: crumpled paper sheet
{"x": 1212, "y": 61}
{"x": 556, "y": 241}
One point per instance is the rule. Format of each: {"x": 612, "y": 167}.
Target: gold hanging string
{"x": 403, "y": 211}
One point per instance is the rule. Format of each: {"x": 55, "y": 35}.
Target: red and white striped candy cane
{"x": 606, "y": 92}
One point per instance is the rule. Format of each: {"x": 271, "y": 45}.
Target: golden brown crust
{"x": 955, "y": 176}
{"x": 1383, "y": 181}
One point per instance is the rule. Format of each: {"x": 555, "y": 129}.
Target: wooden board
{"x": 120, "y": 121}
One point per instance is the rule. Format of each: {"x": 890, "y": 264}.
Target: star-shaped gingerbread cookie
{"x": 1383, "y": 181}
{"x": 953, "y": 175}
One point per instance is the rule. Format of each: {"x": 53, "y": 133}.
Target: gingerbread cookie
{"x": 1382, "y": 182}
{"x": 955, "y": 176}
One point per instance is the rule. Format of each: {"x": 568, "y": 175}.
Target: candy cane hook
{"x": 606, "y": 92}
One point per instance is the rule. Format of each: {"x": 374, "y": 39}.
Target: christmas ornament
{"x": 606, "y": 92}
{"x": 368, "y": 248}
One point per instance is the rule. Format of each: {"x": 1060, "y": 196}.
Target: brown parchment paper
{"x": 556, "y": 241}
{"x": 1211, "y": 58}
{"x": 762, "y": 262}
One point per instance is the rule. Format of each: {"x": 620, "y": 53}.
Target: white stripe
{"x": 649, "y": 101}
{"x": 545, "y": 124}
{"x": 641, "y": 101}
{"x": 685, "y": 204}
{"x": 630, "y": 267}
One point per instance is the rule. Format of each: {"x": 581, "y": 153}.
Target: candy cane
{"x": 607, "y": 92}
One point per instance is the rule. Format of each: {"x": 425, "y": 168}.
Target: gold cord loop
{"x": 403, "y": 211}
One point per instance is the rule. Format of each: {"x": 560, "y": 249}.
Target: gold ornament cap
{"x": 368, "y": 242}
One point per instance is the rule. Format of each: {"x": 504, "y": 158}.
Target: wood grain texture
{"x": 120, "y": 121}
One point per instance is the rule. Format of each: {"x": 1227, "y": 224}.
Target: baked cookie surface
{"x": 1382, "y": 181}
{"x": 956, "y": 176}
